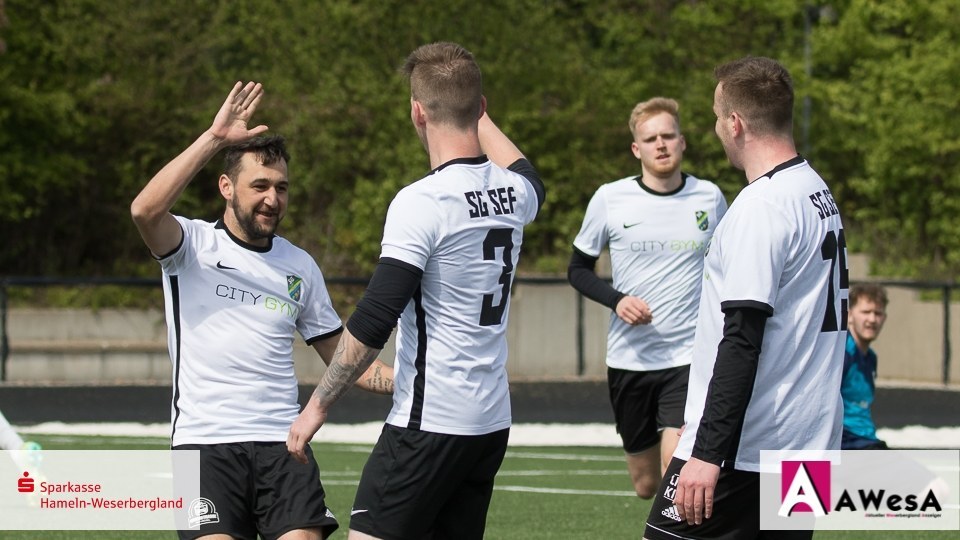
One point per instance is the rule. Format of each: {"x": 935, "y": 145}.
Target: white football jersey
{"x": 232, "y": 310}
{"x": 656, "y": 243}
{"x": 463, "y": 226}
{"x": 780, "y": 248}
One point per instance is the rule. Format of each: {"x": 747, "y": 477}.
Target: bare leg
{"x": 644, "y": 470}
{"x": 669, "y": 438}
{"x": 302, "y": 534}
{"x": 354, "y": 535}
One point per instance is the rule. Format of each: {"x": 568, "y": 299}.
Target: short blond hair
{"x": 645, "y": 109}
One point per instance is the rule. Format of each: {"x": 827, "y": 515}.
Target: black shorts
{"x": 418, "y": 484}
{"x": 645, "y": 402}
{"x": 252, "y": 488}
{"x": 736, "y": 510}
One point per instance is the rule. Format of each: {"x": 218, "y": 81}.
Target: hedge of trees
{"x": 96, "y": 95}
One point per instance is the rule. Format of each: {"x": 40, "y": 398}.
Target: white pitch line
{"x": 339, "y": 482}
{"x": 517, "y": 473}
{"x": 560, "y": 472}
{"x": 556, "y": 491}
{"x": 565, "y": 457}
{"x": 522, "y": 489}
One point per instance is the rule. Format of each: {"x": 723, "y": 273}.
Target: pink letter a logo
{"x": 804, "y": 487}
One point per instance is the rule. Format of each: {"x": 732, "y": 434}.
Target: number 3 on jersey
{"x": 834, "y": 249}
{"x": 492, "y": 315}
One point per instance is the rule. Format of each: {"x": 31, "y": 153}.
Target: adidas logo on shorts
{"x": 671, "y": 512}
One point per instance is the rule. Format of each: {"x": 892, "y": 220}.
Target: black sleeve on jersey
{"x": 730, "y": 388}
{"x": 750, "y": 304}
{"x": 391, "y": 287}
{"x": 582, "y": 275}
{"x": 330, "y": 334}
{"x": 523, "y": 167}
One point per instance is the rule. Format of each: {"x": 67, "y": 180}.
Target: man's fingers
{"x": 708, "y": 503}
{"x": 252, "y": 94}
{"x": 698, "y": 507}
{"x": 678, "y": 502}
{"x": 297, "y": 451}
{"x": 234, "y": 92}
{"x": 689, "y": 506}
{"x": 295, "y": 446}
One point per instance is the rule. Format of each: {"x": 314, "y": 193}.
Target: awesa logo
{"x": 805, "y": 487}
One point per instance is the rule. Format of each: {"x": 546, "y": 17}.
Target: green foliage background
{"x": 96, "y": 95}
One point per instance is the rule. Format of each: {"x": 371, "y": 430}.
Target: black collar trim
{"x": 683, "y": 184}
{"x": 785, "y": 165}
{"x": 259, "y": 249}
{"x": 479, "y": 160}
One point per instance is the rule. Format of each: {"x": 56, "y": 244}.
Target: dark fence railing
{"x": 945, "y": 288}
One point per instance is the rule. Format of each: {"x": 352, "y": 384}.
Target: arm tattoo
{"x": 378, "y": 382}
{"x": 343, "y": 371}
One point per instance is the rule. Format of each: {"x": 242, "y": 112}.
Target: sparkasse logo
{"x": 25, "y": 484}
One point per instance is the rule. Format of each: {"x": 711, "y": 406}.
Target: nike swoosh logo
{"x": 355, "y": 512}
{"x": 221, "y": 266}
{"x": 627, "y": 226}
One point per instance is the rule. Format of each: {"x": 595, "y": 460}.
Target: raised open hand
{"x": 230, "y": 124}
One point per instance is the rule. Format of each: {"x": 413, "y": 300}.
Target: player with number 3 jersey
{"x": 450, "y": 249}
{"x": 461, "y": 226}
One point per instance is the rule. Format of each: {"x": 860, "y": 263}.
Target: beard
{"x": 251, "y": 228}
{"x": 665, "y": 169}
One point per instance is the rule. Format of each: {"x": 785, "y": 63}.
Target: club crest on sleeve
{"x": 703, "y": 222}
{"x": 294, "y": 287}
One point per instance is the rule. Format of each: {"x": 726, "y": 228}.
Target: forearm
{"x": 731, "y": 386}
{"x": 495, "y": 144}
{"x": 583, "y": 278}
{"x": 161, "y": 193}
{"x": 378, "y": 378}
{"x": 350, "y": 361}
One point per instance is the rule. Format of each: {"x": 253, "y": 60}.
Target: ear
{"x": 418, "y": 113}
{"x": 483, "y": 106}
{"x": 226, "y": 187}
{"x": 635, "y": 148}
{"x": 683, "y": 143}
{"x": 736, "y": 124}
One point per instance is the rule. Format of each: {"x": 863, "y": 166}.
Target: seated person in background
{"x": 868, "y": 305}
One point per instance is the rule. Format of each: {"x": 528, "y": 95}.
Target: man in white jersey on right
{"x": 769, "y": 346}
{"x": 450, "y": 246}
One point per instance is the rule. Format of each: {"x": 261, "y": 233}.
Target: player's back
{"x": 803, "y": 346}
{"x": 463, "y": 226}
{"x": 778, "y": 249}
